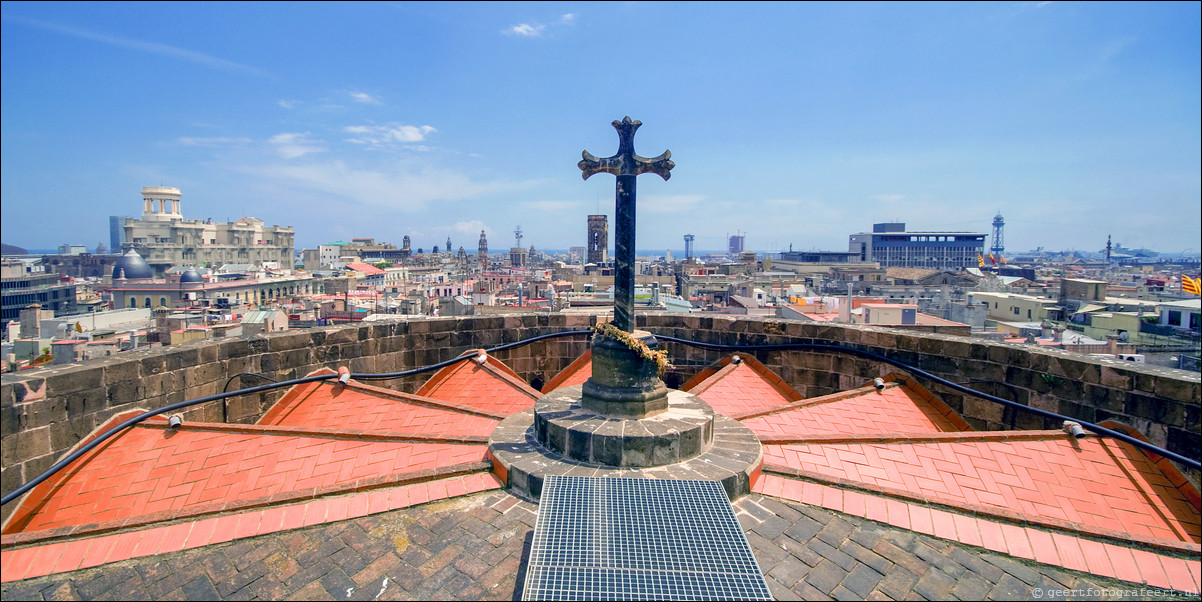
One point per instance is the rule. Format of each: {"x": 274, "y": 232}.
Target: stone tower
{"x": 598, "y": 239}
{"x": 482, "y": 252}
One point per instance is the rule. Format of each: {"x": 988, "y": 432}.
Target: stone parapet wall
{"x": 1162, "y": 403}
{"x": 43, "y": 413}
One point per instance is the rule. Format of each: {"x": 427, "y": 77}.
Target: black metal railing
{"x": 1144, "y": 445}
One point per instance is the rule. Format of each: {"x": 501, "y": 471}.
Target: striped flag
{"x": 992, "y": 260}
{"x": 980, "y": 261}
{"x": 1191, "y": 285}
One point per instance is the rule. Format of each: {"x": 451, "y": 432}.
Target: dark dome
{"x": 190, "y": 275}
{"x": 131, "y": 265}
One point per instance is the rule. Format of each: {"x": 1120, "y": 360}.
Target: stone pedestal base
{"x": 684, "y": 429}
{"x": 728, "y": 452}
{"x": 623, "y": 382}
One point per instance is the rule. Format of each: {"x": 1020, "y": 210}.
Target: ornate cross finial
{"x": 626, "y": 166}
{"x": 625, "y": 162}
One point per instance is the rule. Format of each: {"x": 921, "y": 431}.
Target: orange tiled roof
{"x": 1100, "y": 485}
{"x": 898, "y": 455}
{"x": 491, "y": 386}
{"x": 898, "y": 408}
{"x": 360, "y": 407}
{"x": 149, "y": 471}
{"x": 732, "y": 388}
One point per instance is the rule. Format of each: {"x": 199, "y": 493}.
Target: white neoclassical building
{"x": 165, "y": 239}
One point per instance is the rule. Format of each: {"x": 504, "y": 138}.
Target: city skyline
{"x": 794, "y": 124}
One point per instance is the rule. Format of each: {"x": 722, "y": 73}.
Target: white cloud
{"x": 288, "y": 104}
{"x": 526, "y": 30}
{"x": 365, "y": 98}
{"x": 567, "y": 19}
{"x": 394, "y": 187}
{"x": 291, "y": 145}
{"x": 142, "y": 46}
{"x": 471, "y": 227}
{"x": 386, "y": 135}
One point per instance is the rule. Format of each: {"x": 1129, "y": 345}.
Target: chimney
{"x": 1112, "y": 343}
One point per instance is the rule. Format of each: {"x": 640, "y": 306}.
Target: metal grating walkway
{"x": 639, "y": 539}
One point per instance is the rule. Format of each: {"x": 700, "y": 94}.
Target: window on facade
{"x": 1016, "y": 311}
{"x": 1174, "y": 318}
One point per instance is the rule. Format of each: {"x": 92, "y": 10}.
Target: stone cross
{"x": 626, "y": 166}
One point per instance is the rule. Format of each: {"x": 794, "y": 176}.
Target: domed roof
{"x": 190, "y": 275}
{"x": 132, "y": 266}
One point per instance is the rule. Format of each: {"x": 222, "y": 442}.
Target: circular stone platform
{"x": 683, "y": 429}
{"x": 734, "y": 458}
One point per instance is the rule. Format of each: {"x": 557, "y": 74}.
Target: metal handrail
{"x": 1100, "y": 430}
{"x": 712, "y": 346}
{"x": 90, "y": 445}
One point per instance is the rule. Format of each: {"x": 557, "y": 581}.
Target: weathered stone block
{"x": 286, "y": 341}
{"x": 24, "y": 445}
{"x": 116, "y": 371}
{"x": 204, "y": 373}
{"x": 1149, "y": 407}
{"x": 983, "y": 410}
{"x": 64, "y": 435}
{"x": 1177, "y": 389}
{"x": 74, "y": 379}
{"x": 230, "y": 349}
{"x": 43, "y": 412}
{"x": 154, "y": 364}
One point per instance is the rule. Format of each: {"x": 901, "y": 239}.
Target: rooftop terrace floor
{"x": 472, "y": 548}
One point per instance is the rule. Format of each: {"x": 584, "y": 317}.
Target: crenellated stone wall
{"x": 43, "y": 413}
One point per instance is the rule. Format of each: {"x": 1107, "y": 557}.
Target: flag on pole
{"x": 992, "y": 260}
{"x": 980, "y": 261}
{"x": 1002, "y": 257}
{"x": 1191, "y": 285}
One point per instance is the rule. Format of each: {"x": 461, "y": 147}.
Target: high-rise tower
{"x": 688, "y": 246}
{"x": 598, "y": 239}
{"x": 735, "y": 243}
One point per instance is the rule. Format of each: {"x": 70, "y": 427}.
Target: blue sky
{"x": 792, "y": 123}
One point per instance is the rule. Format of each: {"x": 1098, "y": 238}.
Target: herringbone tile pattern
{"x": 326, "y": 406}
{"x": 892, "y": 410}
{"x": 148, "y": 469}
{"x": 739, "y": 388}
{"x": 1091, "y": 481}
{"x": 470, "y": 384}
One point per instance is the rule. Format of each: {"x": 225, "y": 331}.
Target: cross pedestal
{"x": 623, "y": 382}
